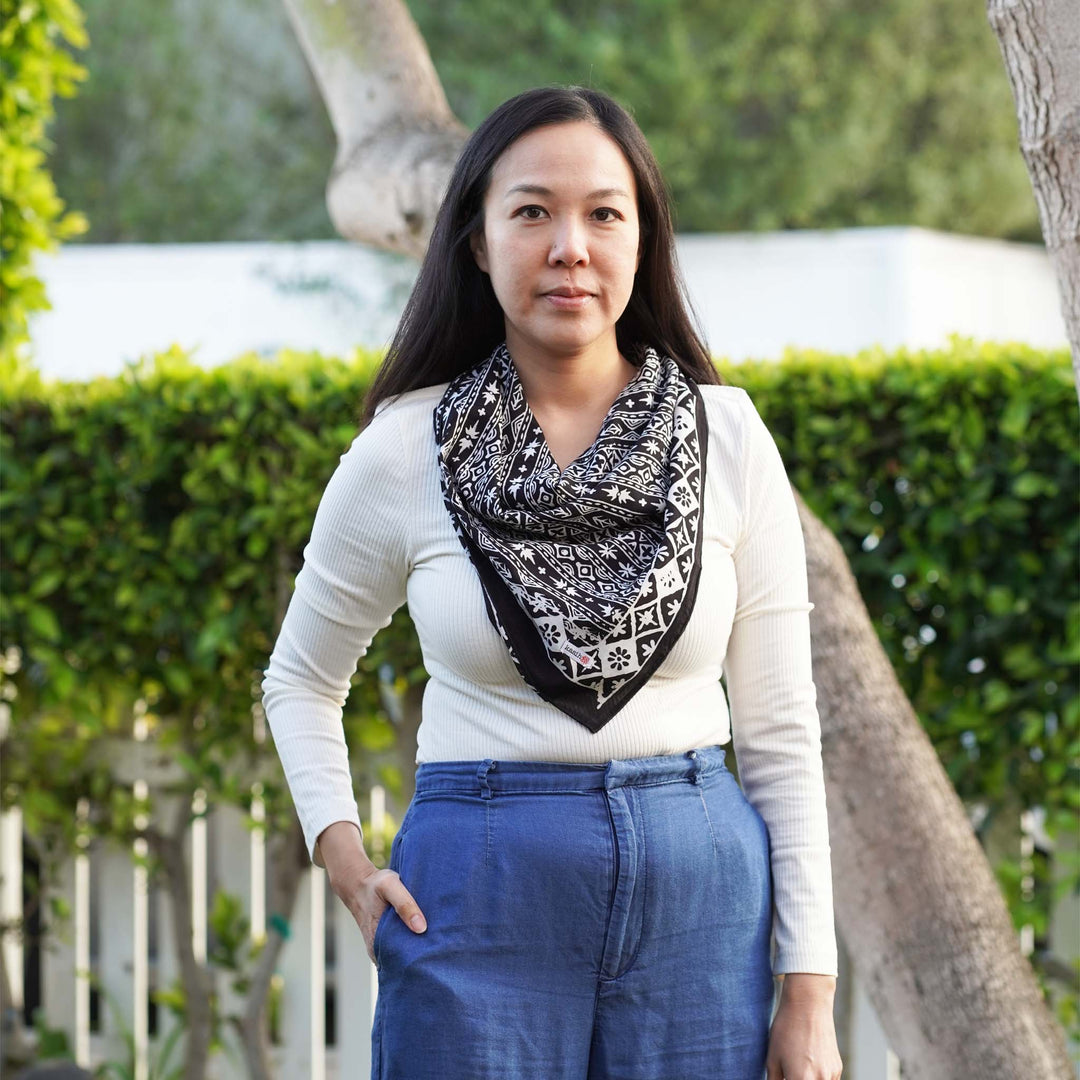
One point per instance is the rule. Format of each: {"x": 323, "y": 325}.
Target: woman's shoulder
{"x": 726, "y": 410}
{"x": 724, "y": 395}
{"x": 418, "y": 400}
{"x": 401, "y": 428}
{"x": 410, "y": 413}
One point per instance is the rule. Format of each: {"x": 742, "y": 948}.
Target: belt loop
{"x": 696, "y": 766}
{"x": 486, "y": 766}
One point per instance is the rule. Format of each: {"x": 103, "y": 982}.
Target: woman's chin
{"x": 567, "y": 335}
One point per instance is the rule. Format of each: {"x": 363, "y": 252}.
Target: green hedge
{"x": 152, "y": 525}
{"x": 951, "y": 478}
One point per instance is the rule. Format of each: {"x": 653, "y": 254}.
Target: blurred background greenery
{"x": 200, "y": 121}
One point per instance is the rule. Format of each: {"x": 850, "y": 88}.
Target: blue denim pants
{"x": 585, "y": 922}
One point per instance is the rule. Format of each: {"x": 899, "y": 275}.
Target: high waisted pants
{"x": 585, "y": 922}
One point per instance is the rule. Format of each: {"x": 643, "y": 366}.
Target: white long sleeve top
{"x": 383, "y": 537}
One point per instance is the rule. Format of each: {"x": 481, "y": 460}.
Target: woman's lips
{"x": 568, "y": 303}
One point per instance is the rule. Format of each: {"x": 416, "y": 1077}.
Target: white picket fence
{"x": 121, "y": 932}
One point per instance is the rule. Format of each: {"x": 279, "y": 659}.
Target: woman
{"x": 588, "y": 528}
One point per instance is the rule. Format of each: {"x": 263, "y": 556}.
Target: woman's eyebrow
{"x": 538, "y": 189}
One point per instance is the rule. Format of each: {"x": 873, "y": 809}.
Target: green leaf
{"x": 1027, "y": 485}
{"x": 1014, "y": 419}
{"x": 43, "y": 622}
{"x": 46, "y": 583}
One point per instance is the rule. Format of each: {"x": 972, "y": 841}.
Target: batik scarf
{"x": 589, "y": 573}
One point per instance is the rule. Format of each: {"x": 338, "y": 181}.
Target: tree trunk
{"x": 397, "y": 138}
{"x": 196, "y": 980}
{"x": 1040, "y": 43}
{"x": 288, "y": 860}
{"x": 921, "y": 912}
{"x": 917, "y": 902}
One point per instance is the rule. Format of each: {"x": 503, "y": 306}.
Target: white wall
{"x": 755, "y": 293}
{"x": 849, "y": 289}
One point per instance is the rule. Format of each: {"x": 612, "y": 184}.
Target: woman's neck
{"x": 585, "y": 382}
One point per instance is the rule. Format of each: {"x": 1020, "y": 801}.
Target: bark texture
{"x": 288, "y": 864}
{"x": 195, "y": 978}
{"x": 1040, "y": 43}
{"x": 920, "y": 909}
{"x": 397, "y": 138}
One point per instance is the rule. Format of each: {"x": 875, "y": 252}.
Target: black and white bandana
{"x": 590, "y": 573}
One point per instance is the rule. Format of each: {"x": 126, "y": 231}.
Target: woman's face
{"x": 560, "y": 213}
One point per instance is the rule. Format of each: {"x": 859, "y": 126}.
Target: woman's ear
{"x": 479, "y": 250}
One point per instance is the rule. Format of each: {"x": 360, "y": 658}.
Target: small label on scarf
{"x": 583, "y": 658}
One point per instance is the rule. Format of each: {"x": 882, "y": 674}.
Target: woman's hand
{"x": 362, "y": 887}
{"x": 802, "y": 1041}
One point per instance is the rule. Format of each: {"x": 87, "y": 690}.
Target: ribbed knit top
{"x": 382, "y": 537}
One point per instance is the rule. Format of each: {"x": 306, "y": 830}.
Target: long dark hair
{"x": 453, "y": 319}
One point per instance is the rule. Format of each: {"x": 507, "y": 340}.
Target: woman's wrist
{"x": 808, "y": 987}
{"x": 340, "y": 840}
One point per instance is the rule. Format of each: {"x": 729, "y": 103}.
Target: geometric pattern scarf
{"x": 590, "y": 573}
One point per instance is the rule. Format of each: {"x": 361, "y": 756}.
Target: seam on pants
{"x": 705, "y": 807}
{"x": 487, "y": 830}
{"x": 642, "y": 862}
{"x": 592, "y": 1026}
{"x": 377, "y": 1071}
{"x": 611, "y": 894}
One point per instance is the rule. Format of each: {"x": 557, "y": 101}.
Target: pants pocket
{"x": 741, "y": 842}
{"x": 389, "y": 912}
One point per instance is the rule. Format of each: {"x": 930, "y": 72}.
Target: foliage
{"x": 168, "y": 511}
{"x": 764, "y": 115}
{"x": 199, "y": 122}
{"x": 153, "y": 525}
{"x": 949, "y": 478}
{"x": 786, "y": 114}
{"x": 33, "y": 69}
{"x": 52, "y": 1042}
{"x": 159, "y": 1065}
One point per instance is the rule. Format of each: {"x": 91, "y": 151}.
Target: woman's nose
{"x": 570, "y": 247}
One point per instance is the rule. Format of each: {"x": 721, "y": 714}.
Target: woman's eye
{"x": 535, "y": 213}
